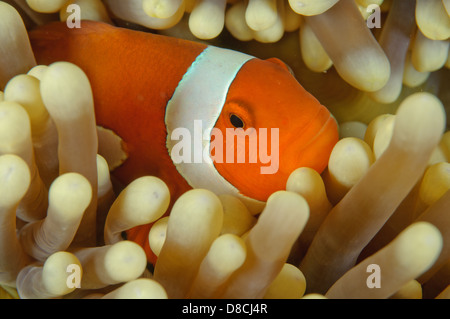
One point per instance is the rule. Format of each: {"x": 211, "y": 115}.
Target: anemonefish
{"x": 146, "y": 86}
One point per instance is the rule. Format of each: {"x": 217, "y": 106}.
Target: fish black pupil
{"x": 236, "y": 121}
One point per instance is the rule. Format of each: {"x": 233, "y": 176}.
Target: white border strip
{"x": 200, "y": 95}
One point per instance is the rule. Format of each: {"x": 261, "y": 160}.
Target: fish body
{"x": 147, "y": 87}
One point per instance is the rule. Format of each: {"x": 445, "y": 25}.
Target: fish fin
{"x": 55, "y": 40}
{"x": 281, "y": 63}
{"x": 111, "y": 147}
{"x": 58, "y": 30}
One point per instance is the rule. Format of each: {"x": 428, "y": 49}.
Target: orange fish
{"x": 151, "y": 89}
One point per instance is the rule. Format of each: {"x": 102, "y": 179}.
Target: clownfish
{"x": 147, "y": 86}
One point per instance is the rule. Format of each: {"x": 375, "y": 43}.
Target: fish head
{"x": 277, "y": 126}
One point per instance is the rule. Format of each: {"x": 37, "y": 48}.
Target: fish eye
{"x": 236, "y": 121}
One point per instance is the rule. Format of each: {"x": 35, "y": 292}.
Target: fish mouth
{"x": 316, "y": 126}
{"x": 325, "y": 126}
{"x": 312, "y": 147}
